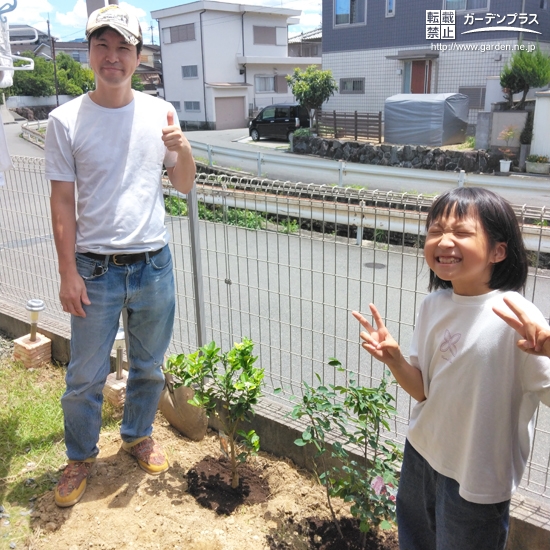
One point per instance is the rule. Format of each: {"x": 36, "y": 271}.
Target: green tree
{"x": 525, "y": 70}
{"x": 312, "y": 88}
{"x": 38, "y": 82}
{"x": 137, "y": 84}
{"x": 73, "y": 79}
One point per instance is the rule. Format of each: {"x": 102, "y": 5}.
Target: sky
{"x": 68, "y": 17}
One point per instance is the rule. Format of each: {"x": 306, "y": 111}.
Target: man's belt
{"x": 122, "y": 259}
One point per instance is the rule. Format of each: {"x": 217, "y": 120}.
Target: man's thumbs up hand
{"x": 170, "y": 118}
{"x": 172, "y": 136}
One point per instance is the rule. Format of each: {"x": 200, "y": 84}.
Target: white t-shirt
{"x": 116, "y": 157}
{"x": 476, "y": 423}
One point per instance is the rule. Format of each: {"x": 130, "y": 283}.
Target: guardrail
{"x": 31, "y": 131}
{"x": 374, "y": 174}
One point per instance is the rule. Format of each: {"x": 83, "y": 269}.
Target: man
{"x": 105, "y": 153}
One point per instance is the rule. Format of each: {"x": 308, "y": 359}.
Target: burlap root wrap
{"x": 189, "y": 420}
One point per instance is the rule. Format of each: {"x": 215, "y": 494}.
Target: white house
{"x": 222, "y": 60}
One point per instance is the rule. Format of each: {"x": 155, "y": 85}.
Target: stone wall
{"x": 407, "y": 156}
{"x": 34, "y": 113}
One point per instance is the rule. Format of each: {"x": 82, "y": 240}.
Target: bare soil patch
{"x": 276, "y": 507}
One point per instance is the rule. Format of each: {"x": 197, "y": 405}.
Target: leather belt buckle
{"x": 114, "y": 259}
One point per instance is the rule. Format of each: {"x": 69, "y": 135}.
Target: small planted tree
{"x": 343, "y": 416}
{"x": 524, "y": 71}
{"x": 227, "y": 385}
{"x": 312, "y": 88}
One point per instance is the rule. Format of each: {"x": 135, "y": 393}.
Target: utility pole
{"x": 52, "y": 47}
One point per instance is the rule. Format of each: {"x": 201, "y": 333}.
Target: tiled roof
{"x": 315, "y": 34}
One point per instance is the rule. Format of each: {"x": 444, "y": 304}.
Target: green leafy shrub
{"x": 537, "y": 158}
{"x": 227, "y": 385}
{"x": 353, "y": 415}
{"x": 302, "y": 132}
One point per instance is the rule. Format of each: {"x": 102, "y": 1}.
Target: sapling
{"x": 318, "y": 405}
{"x": 227, "y": 385}
{"x": 370, "y": 484}
{"x": 355, "y": 416}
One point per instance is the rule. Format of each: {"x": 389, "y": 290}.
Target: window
{"x": 264, "y": 83}
{"x": 181, "y": 33}
{"x": 176, "y": 104}
{"x": 390, "y": 8}
{"x": 349, "y": 12}
{"x": 265, "y": 35}
{"x": 282, "y": 112}
{"x": 463, "y": 5}
{"x": 189, "y": 71}
{"x": 476, "y": 94}
{"x": 407, "y": 70}
{"x": 352, "y": 85}
{"x": 192, "y": 105}
{"x": 268, "y": 112}
{"x": 310, "y": 50}
{"x": 81, "y": 57}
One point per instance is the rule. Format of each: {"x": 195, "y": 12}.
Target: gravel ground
{"x": 6, "y": 347}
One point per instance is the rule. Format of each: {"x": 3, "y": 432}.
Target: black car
{"x": 278, "y": 121}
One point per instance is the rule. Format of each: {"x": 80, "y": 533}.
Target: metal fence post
{"x": 359, "y": 241}
{"x": 209, "y": 150}
{"x": 194, "y": 237}
{"x": 260, "y": 160}
{"x": 461, "y": 178}
{"x": 341, "y": 168}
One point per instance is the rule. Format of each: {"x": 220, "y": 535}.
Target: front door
{"x": 417, "y": 76}
{"x": 421, "y": 76}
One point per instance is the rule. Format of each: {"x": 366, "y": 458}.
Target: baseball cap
{"x": 118, "y": 19}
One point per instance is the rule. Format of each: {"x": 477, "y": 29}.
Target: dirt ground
{"x": 125, "y": 508}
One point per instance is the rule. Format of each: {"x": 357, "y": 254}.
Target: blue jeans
{"x": 431, "y": 515}
{"x": 146, "y": 289}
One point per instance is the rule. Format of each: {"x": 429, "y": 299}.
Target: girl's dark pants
{"x": 431, "y": 515}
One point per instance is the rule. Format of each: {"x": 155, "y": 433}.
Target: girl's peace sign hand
{"x": 378, "y": 342}
{"x": 535, "y": 338}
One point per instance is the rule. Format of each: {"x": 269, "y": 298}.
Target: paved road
{"x": 18, "y": 145}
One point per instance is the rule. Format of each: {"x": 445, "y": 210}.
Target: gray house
{"x": 379, "y": 48}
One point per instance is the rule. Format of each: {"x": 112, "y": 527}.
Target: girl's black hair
{"x": 501, "y": 226}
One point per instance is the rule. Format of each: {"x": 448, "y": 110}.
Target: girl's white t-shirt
{"x": 476, "y": 423}
{"x": 116, "y": 157}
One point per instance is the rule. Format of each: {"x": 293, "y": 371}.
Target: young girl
{"x": 470, "y": 432}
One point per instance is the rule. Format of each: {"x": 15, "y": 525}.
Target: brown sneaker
{"x": 72, "y": 483}
{"x": 149, "y": 454}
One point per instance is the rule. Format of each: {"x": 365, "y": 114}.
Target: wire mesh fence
{"x": 282, "y": 264}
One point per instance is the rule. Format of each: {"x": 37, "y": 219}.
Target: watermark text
{"x": 482, "y": 48}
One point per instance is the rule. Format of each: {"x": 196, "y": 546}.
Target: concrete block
{"x": 115, "y": 390}
{"x": 529, "y": 525}
{"x": 32, "y": 354}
